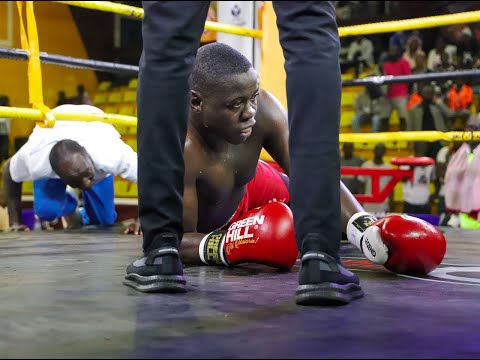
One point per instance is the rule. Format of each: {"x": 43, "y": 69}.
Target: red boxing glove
{"x": 263, "y": 235}
{"x": 403, "y": 244}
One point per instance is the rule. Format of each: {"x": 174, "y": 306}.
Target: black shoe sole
{"x": 156, "y": 283}
{"x": 327, "y": 294}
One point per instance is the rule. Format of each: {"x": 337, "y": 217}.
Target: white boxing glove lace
{"x": 367, "y": 238}
{"x": 372, "y": 245}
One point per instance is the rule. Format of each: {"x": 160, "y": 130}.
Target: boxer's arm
{"x": 13, "y": 198}
{"x": 191, "y": 238}
{"x": 349, "y": 206}
{"x": 190, "y": 202}
{"x": 190, "y": 208}
{"x": 273, "y": 119}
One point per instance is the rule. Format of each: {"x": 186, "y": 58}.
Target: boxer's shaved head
{"x": 215, "y": 63}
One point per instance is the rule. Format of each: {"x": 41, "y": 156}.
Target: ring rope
{"x": 37, "y": 115}
{"x": 410, "y": 136}
{"x": 137, "y": 12}
{"x": 72, "y": 62}
{"x": 389, "y": 79}
{"x": 410, "y": 24}
{"x": 77, "y": 63}
{"x": 354, "y": 30}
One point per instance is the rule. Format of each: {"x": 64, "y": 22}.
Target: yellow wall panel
{"x": 272, "y": 72}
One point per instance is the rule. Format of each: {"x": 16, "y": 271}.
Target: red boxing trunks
{"x": 267, "y": 186}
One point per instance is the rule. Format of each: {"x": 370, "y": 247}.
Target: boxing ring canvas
{"x": 62, "y": 297}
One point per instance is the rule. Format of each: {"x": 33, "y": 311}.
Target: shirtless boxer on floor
{"x": 231, "y": 120}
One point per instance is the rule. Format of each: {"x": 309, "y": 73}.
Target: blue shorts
{"x": 51, "y": 201}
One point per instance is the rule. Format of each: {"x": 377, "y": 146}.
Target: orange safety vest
{"x": 414, "y": 99}
{"x": 459, "y": 100}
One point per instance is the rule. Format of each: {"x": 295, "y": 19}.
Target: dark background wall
{"x": 97, "y": 31}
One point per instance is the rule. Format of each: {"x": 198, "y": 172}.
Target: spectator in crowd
{"x": 460, "y": 95}
{"x": 397, "y": 93}
{"x": 414, "y": 94}
{"x": 413, "y": 49}
{"x": 461, "y": 37}
{"x": 367, "y": 107}
{"x": 441, "y": 162}
{"x": 416, "y": 192}
{"x": 444, "y": 84}
{"x": 345, "y": 9}
{"x": 414, "y": 98}
{"x": 349, "y": 159}
{"x": 360, "y": 54}
{"x": 83, "y": 97}
{"x": 431, "y": 114}
{"x": 441, "y": 55}
{"x": 62, "y": 98}
{"x": 421, "y": 64}
{"x": 462, "y": 181}
{"x": 399, "y": 39}
{"x": 467, "y": 48}
{"x": 447, "y": 63}
{"x": 377, "y": 162}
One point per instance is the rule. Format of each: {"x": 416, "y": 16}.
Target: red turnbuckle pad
{"x": 413, "y": 161}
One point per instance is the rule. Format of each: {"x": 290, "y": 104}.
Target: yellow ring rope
{"x": 410, "y": 136}
{"x": 137, "y": 12}
{"x": 36, "y": 115}
{"x": 410, "y": 24}
{"x": 363, "y": 29}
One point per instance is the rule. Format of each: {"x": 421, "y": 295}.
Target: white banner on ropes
{"x": 244, "y": 14}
